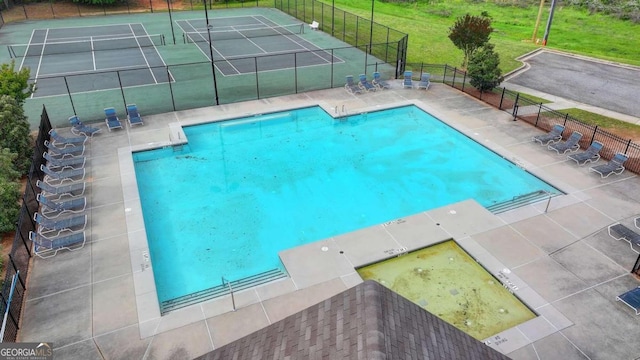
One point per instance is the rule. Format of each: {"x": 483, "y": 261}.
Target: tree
{"x": 484, "y": 69}
{"x": 469, "y": 33}
{"x": 9, "y": 192}
{"x": 15, "y": 83}
{"x": 14, "y": 133}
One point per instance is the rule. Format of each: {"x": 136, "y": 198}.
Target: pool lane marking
{"x": 143, "y": 56}
{"x": 44, "y": 44}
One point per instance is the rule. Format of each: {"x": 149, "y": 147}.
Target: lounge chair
{"x": 314, "y": 25}
{"x": 424, "y": 81}
{"x": 78, "y": 128}
{"x": 365, "y": 84}
{"x": 133, "y": 116}
{"x": 407, "y": 82}
{"x": 552, "y": 136}
{"x": 63, "y": 142}
{"x": 58, "y": 177}
{"x": 614, "y": 166}
{"x": 52, "y": 209}
{"x": 49, "y": 246}
{"x": 631, "y": 298}
{"x": 53, "y": 227}
{"x": 56, "y": 192}
{"x": 378, "y": 82}
{"x": 350, "y": 86}
{"x": 111, "y": 119}
{"x": 592, "y": 154}
{"x": 572, "y": 143}
{"x": 621, "y": 232}
{"x": 69, "y": 151}
{"x": 68, "y": 163}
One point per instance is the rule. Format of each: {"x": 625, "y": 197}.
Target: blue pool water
{"x": 243, "y": 190}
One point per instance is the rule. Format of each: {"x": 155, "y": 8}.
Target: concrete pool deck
{"x": 97, "y": 302}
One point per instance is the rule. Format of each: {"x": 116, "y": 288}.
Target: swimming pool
{"x": 245, "y": 189}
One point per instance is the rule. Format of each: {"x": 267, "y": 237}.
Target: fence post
{"x": 566, "y": 117}
{"x": 173, "y": 101}
{"x": 593, "y": 136}
{"x": 627, "y": 148}
{"x": 515, "y": 107}
{"x": 501, "y": 98}
{"x": 453, "y": 82}
{"x": 464, "y": 79}
{"x": 539, "y": 110}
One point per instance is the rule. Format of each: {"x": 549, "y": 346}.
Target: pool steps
{"x": 519, "y": 201}
{"x": 221, "y": 290}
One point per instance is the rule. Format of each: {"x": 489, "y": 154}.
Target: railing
{"x": 233, "y": 300}
{"x": 536, "y": 114}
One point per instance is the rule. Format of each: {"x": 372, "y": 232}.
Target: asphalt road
{"x": 600, "y": 84}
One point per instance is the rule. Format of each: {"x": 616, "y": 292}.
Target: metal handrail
{"x": 233, "y": 300}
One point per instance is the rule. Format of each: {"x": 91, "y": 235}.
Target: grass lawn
{"x": 621, "y": 128}
{"x": 572, "y": 30}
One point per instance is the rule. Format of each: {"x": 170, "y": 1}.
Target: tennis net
{"x": 203, "y": 36}
{"x": 84, "y": 46}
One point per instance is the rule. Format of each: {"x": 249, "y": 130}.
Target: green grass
{"x": 620, "y": 128}
{"x": 573, "y": 30}
{"x": 535, "y": 99}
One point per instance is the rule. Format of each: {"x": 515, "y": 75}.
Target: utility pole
{"x": 535, "y": 29}
{"x": 546, "y": 31}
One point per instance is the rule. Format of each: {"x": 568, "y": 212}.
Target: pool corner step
{"x": 221, "y": 290}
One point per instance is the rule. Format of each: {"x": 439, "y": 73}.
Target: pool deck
{"x": 98, "y": 302}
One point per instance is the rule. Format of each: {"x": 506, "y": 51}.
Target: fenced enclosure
{"x": 17, "y": 268}
{"x": 357, "y": 47}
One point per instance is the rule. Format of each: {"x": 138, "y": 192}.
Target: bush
{"x": 484, "y": 69}
{"x": 9, "y": 192}
{"x": 14, "y": 133}
{"x": 15, "y": 83}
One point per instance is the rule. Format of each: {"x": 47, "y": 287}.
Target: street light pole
{"x": 371, "y": 32}
{"x": 213, "y": 67}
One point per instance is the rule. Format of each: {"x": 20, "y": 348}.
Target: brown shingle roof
{"x": 368, "y": 322}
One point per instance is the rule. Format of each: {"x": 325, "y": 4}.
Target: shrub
{"x": 15, "y": 83}
{"x": 484, "y": 69}
{"x": 9, "y": 192}
{"x": 14, "y": 133}
{"x": 469, "y": 33}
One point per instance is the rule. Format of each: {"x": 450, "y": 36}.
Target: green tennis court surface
{"x": 236, "y": 40}
{"x": 162, "y": 62}
{"x": 87, "y": 51}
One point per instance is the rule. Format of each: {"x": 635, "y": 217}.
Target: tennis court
{"x": 234, "y": 42}
{"x": 52, "y": 54}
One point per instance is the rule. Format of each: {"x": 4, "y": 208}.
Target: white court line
{"x": 303, "y": 46}
{"x": 93, "y": 54}
{"x": 27, "y": 50}
{"x": 143, "y": 56}
{"x": 85, "y": 72}
{"x": 251, "y": 41}
{"x": 213, "y": 48}
{"x": 44, "y": 44}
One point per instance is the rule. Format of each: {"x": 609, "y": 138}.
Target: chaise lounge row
{"x": 553, "y": 141}
{"x": 60, "y": 219}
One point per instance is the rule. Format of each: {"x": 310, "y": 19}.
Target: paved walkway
{"x": 88, "y": 302}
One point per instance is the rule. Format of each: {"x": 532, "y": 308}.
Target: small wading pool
{"x": 444, "y": 280}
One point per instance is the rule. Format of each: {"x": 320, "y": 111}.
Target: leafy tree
{"x": 14, "y": 133}
{"x": 484, "y": 68}
{"x": 469, "y": 33}
{"x": 15, "y": 83}
{"x": 9, "y": 192}
{"x": 100, "y": 2}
